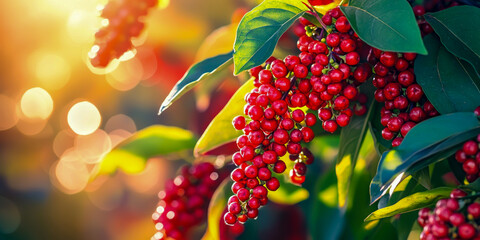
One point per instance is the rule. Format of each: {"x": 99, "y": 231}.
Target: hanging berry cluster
{"x": 405, "y": 104}
{"x": 455, "y": 218}
{"x": 124, "y": 23}
{"x": 324, "y": 77}
{"x": 184, "y": 201}
{"x": 469, "y": 156}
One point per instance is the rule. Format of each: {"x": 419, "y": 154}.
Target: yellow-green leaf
{"x": 413, "y": 202}
{"x": 215, "y": 210}
{"x": 287, "y": 193}
{"x": 131, "y": 154}
{"x": 220, "y": 129}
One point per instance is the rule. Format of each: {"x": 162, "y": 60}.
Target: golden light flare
{"x": 84, "y": 118}
{"x": 152, "y": 177}
{"x": 36, "y": 103}
{"x": 62, "y": 141}
{"x": 93, "y": 147}
{"x": 51, "y": 71}
{"x": 8, "y": 114}
{"x": 71, "y": 172}
{"x": 31, "y": 127}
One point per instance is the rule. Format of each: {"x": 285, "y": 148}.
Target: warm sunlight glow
{"x": 36, "y": 103}
{"x": 84, "y": 118}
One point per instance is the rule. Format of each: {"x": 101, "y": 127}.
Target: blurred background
{"x": 59, "y": 115}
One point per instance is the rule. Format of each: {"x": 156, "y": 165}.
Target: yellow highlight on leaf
{"x": 324, "y": 8}
{"x": 329, "y": 196}
{"x": 163, "y": 4}
{"x": 121, "y": 159}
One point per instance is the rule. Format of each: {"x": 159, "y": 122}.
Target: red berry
{"x": 439, "y": 230}
{"x": 406, "y": 127}
{"x": 457, "y": 193}
{"x": 273, "y": 184}
{"x": 253, "y": 203}
{"x": 300, "y": 168}
{"x": 279, "y": 70}
{"x": 269, "y": 157}
{"x": 341, "y": 103}
{"x": 466, "y": 231}
{"x": 237, "y": 175}
{"x": 352, "y": 58}
{"x": 243, "y": 194}
{"x": 410, "y": 56}
{"x": 348, "y": 45}
{"x": 397, "y": 141}
{"x": 333, "y": 39}
{"x": 456, "y": 219}
{"x": 330, "y": 126}
{"x": 470, "y": 167}
{"x": 234, "y": 208}
{"x": 264, "y": 174}
{"x": 291, "y": 61}
{"x": 394, "y": 124}
{"x": 325, "y": 114}
{"x": 239, "y": 122}
{"x": 419, "y": 10}
{"x": 229, "y": 218}
{"x": 265, "y": 76}
{"x": 388, "y": 59}
{"x": 279, "y": 166}
{"x": 259, "y": 192}
{"x": 310, "y": 119}
{"x": 300, "y": 71}
{"x": 470, "y": 147}
{"x": 342, "y": 24}
{"x": 406, "y": 78}
{"x": 387, "y": 134}
{"x": 414, "y": 92}
{"x": 474, "y": 210}
{"x": 342, "y": 120}
{"x": 392, "y": 90}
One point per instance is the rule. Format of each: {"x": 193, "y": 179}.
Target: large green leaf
{"x": 411, "y": 203}
{"x": 131, "y": 154}
{"x": 261, "y": 28}
{"x": 351, "y": 139}
{"x": 198, "y": 72}
{"x": 448, "y": 82}
{"x": 217, "y": 205}
{"x": 458, "y": 31}
{"x": 388, "y": 25}
{"x": 429, "y": 141}
{"x": 220, "y": 129}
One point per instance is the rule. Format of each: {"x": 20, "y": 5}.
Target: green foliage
{"x": 260, "y": 30}
{"x": 411, "y": 203}
{"x": 377, "y": 23}
{"x": 435, "y": 72}
{"x": 458, "y": 31}
{"x": 198, "y": 72}
{"x": 429, "y": 141}
{"x": 217, "y": 205}
{"x": 220, "y": 129}
{"x": 157, "y": 140}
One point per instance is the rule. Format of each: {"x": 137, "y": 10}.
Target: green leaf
{"x": 260, "y": 29}
{"x": 351, "y": 139}
{"x": 429, "y": 141}
{"x": 220, "y": 129}
{"x": 458, "y": 31}
{"x": 388, "y": 25}
{"x": 131, "y": 154}
{"x": 198, "y": 72}
{"x": 413, "y": 202}
{"x": 216, "y": 207}
{"x": 448, "y": 82}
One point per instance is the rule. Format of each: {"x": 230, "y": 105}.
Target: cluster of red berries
{"x": 405, "y": 104}
{"x": 184, "y": 201}
{"x": 457, "y": 217}
{"x": 469, "y": 157}
{"x": 124, "y": 22}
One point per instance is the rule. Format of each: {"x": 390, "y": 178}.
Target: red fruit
{"x": 279, "y": 166}
{"x": 400, "y": 102}
{"x": 466, "y": 231}
{"x": 316, "y": 69}
{"x": 300, "y": 71}
{"x": 341, "y": 103}
{"x": 264, "y": 174}
{"x": 387, "y": 134}
{"x": 306, "y": 58}
{"x": 470, "y": 147}
{"x": 362, "y": 72}
{"x": 401, "y": 64}
{"x": 325, "y": 114}
{"x": 477, "y": 111}
{"x": 280, "y": 107}
{"x": 310, "y": 119}
{"x": 282, "y": 84}
{"x": 237, "y": 175}
{"x": 342, "y": 120}
{"x": 333, "y": 39}
{"x": 352, "y": 58}
{"x": 406, "y": 127}
{"x": 392, "y": 90}
{"x": 380, "y": 69}
{"x": 419, "y": 10}
{"x": 251, "y": 171}
{"x": 237, "y": 186}
{"x": 265, "y": 76}
{"x": 474, "y": 210}
{"x": 308, "y": 134}
{"x": 300, "y": 168}
{"x": 298, "y": 180}
{"x": 410, "y": 56}
{"x": 239, "y": 122}
{"x": 259, "y": 192}
{"x": 273, "y": 184}
{"x": 350, "y": 92}
{"x": 414, "y": 92}
{"x": 345, "y": 69}
{"x": 234, "y": 208}
{"x": 470, "y": 167}
{"x": 254, "y": 71}
{"x": 456, "y": 219}
{"x": 397, "y": 141}
{"x": 394, "y": 124}
{"x": 243, "y": 194}
{"x": 229, "y": 218}
{"x": 439, "y": 230}
{"x": 336, "y": 75}
{"x": 287, "y": 124}
{"x": 348, "y": 45}
{"x": 330, "y": 126}
{"x": 417, "y": 114}
{"x": 406, "y": 78}
{"x": 302, "y": 44}
{"x": 457, "y": 193}
{"x": 242, "y": 218}
{"x": 327, "y": 19}
{"x": 342, "y": 24}
{"x": 252, "y": 212}
{"x": 291, "y": 61}
{"x": 388, "y": 59}
{"x": 253, "y": 203}
{"x": 298, "y": 115}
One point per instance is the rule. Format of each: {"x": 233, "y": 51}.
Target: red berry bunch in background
{"x": 124, "y": 23}
{"x": 455, "y": 218}
{"x": 469, "y": 157}
{"x": 405, "y": 104}
{"x": 184, "y": 201}
{"x": 331, "y": 55}
{"x": 297, "y": 173}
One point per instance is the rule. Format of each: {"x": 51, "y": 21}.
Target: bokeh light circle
{"x": 84, "y": 118}
{"x": 36, "y": 103}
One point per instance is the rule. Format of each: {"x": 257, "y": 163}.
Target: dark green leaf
{"x": 475, "y": 186}
{"x": 411, "y": 203}
{"x": 429, "y": 141}
{"x": 458, "y": 31}
{"x": 388, "y": 25}
{"x": 448, "y": 82}
{"x": 131, "y": 154}
{"x": 351, "y": 138}
{"x": 261, "y": 28}
{"x": 198, "y": 72}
